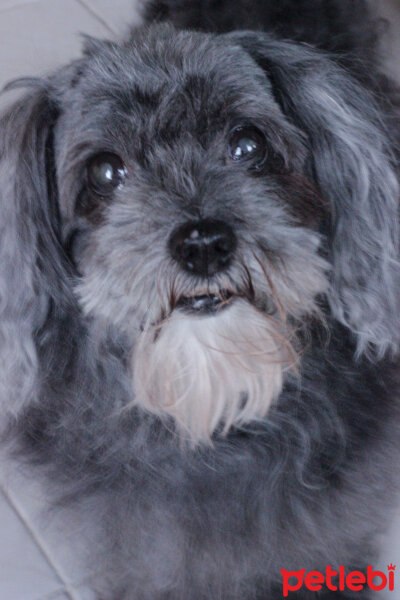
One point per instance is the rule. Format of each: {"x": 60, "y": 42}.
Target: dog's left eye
{"x": 247, "y": 143}
{"x": 105, "y": 172}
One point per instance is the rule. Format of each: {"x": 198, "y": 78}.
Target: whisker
{"x": 274, "y": 294}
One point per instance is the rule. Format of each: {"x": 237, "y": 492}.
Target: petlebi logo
{"x": 356, "y": 581}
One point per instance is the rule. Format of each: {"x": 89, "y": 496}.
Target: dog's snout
{"x": 203, "y": 247}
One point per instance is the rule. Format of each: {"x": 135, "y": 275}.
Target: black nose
{"x": 203, "y": 247}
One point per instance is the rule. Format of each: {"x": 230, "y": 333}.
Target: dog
{"x": 199, "y": 298}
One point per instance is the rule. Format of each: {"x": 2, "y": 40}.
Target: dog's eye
{"x": 105, "y": 172}
{"x": 247, "y": 143}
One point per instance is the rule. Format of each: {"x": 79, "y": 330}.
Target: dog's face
{"x": 197, "y": 191}
{"x": 195, "y": 226}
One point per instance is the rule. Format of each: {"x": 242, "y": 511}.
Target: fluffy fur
{"x": 208, "y": 452}
{"x": 204, "y": 373}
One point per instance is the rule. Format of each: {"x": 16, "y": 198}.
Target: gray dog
{"x": 200, "y": 296}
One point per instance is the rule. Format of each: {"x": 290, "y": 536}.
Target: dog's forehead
{"x": 160, "y": 66}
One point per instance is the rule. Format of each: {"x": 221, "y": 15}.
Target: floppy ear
{"x": 32, "y": 275}
{"x": 352, "y": 163}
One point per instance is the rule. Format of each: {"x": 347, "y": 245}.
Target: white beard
{"x": 208, "y": 371}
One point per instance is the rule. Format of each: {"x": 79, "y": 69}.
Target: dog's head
{"x": 203, "y": 196}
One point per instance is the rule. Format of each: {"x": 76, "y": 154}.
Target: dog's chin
{"x": 215, "y": 363}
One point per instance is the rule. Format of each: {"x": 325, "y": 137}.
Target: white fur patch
{"x": 209, "y": 371}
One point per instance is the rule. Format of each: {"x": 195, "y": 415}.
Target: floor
{"x": 36, "y": 562}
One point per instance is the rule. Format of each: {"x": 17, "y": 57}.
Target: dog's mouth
{"x": 205, "y": 304}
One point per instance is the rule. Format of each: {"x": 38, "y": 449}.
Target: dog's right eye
{"x": 105, "y": 173}
{"x": 247, "y": 143}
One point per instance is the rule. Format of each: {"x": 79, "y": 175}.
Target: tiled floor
{"x": 36, "y": 561}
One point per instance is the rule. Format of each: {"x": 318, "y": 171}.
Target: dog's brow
{"x": 134, "y": 95}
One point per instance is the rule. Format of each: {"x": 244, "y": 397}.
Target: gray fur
{"x": 297, "y": 485}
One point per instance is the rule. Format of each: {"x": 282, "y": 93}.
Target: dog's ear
{"x": 32, "y": 276}
{"x": 352, "y": 163}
